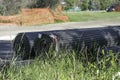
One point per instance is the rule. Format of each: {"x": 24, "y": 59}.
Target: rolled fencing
{"x": 43, "y": 44}
{"x": 6, "y": 50}
{"x": 29, "y": 43}
{"x": 80, "y": 38}
{"x": 23, "y": 44}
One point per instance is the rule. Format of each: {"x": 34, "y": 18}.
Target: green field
{"x": 91, "y": 16}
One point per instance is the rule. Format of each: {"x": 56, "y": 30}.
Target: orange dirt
{"x": 34, "y": 16}
{"x": 117, "y": 8}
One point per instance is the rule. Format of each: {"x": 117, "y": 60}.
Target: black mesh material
{"x": 42, "y": 45}
{"x": 6, "y": 51}
{"x": 71, "y": 39}
{"x": 22, "y": 46}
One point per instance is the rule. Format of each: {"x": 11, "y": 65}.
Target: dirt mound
{"x": 117, "y": 8}
{"x": 34, "y": 16}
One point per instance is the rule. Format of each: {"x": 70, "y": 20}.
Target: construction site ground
{"x": 9, "y": 31}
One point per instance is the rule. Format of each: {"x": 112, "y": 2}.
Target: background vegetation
{"x": 90, "y": 4}
{"x": 8, "y": 7}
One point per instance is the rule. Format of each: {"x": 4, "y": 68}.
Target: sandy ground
{"x": 9, "y": 31}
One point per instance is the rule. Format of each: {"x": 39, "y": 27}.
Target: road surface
{"x": 9, "y": 31}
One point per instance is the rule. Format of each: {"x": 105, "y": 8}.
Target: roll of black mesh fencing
{"x": 43, "y": 44}
{"x": 30, "y": 43}
{"x": 91, "y": 38}
{"x": 6, "y": 50}
{"x": 23, "y": 44}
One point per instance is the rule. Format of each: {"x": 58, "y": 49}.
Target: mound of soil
{"x": 33, "y": 16}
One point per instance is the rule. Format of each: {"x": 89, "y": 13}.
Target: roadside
{"x": 9, "y": 31}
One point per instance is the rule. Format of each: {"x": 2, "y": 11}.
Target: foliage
{"x": 45, "y": 3}
{"x": 63, "y": 67}
{"x": 84, "y": 5}
{"x": 1, "y": 9}
{"x": 90, "y": 4}
{"x": 104, "y": 4}
{"x": 69, "y": 4}
{"x": 10, "y": 6}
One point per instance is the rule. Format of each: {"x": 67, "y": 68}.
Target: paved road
{"x": 8, "y": 32}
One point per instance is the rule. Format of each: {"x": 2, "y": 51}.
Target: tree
{"x": 70, "y": 4}
{"x": 84, "y": 5}
{"x": 1, "y": 9}
{"x": 96, "y": 4}
{"x": 106, "y": 3}
{"x": 10, "y": 7}
{"x": 44, "y": 4}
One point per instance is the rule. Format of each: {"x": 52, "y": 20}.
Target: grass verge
{"x": 64, "y": 67}
{"x": 92, "y": 16}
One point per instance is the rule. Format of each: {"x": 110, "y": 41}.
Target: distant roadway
{"x": 9, "y": 31}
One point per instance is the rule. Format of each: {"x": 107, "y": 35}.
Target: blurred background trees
{"x": 44, "y": 3}
{"x": 10, "y": 7}
{"x": 90, "y": 4}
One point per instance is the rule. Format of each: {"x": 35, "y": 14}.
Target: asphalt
{"x": 9, "y": 31}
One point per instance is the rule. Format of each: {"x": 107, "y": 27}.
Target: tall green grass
{"x": 66, "y": 66}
